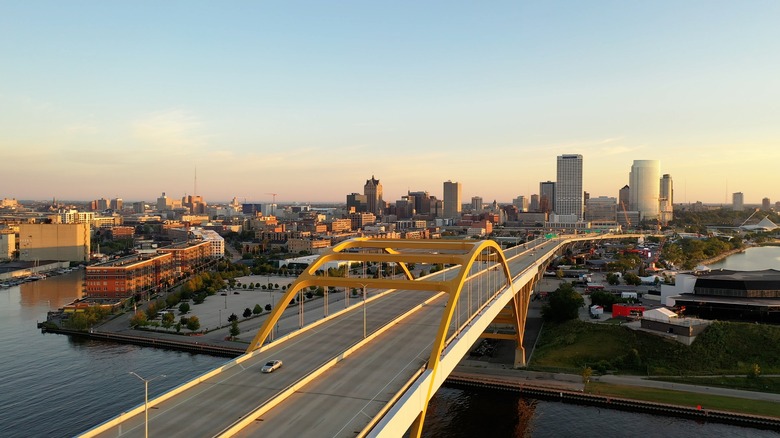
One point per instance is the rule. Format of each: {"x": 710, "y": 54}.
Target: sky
{"x": 309, "y": 99}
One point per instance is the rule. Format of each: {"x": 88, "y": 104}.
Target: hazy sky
{"x": 309, "y": 99}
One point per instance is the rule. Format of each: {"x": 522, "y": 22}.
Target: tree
{"x": 754, "y": 371}
{"x": 234, "y": 330}
{"x": 257, "y": 309}
{"x": 563, "y": 304}
{"x": 139, "y": 319}
{"x": 586, "y": 373}
{"x": 268, "y": 307}
{"x": 193, "y": 323}
{"x": 604, "y": 299}
{"x": 613, "y": 279}
{"x": 632, "y": 279}
{"x": 247, "y": 312}
{"x": 167, "y": 320}
{"x": 184, "y": 308}
{"x": 232, "y": 317}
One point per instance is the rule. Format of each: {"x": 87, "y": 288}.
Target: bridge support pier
{"x": 520, "y": 357}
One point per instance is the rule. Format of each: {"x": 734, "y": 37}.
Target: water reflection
{"x": 53, "y": 292}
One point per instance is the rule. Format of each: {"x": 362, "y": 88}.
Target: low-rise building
{"x": 307, "y": 245}
{"x": 128, "y": 276}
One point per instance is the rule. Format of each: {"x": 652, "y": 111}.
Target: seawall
{"x": 192, "y": 347}
{"x": 568, "y": 396}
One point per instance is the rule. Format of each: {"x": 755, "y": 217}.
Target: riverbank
{"x": 563, "y": 388}
{"x": 188, "y": 343}
{"x": 722, "y": 256}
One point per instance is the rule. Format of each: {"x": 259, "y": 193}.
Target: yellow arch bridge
{"x": 335, "y": 382}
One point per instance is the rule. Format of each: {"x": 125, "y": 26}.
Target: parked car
{"x": 270, "y": 366}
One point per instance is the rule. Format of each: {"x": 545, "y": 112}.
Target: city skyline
{"x": 309, "y": 100}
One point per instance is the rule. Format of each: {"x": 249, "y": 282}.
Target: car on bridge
{"x": 270, "y": 366}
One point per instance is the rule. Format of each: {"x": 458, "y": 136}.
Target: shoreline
{"x": 722, "y": 256}
{"x": 155, "y": 342}
{"x": 554, "y": 391}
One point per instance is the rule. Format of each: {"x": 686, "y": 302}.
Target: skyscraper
{"x": 476, "y": 203}
{"x": 452, "y": 202}
{"x": 373, "y": 192}
{"x": 546, "y": 196}
{"x": 666, "y": 199}
{"x": 534, "y": 206}
{"x": 568, "y": 186}
{"x": 644, "y": 188}
{"x": 765, "y": 204}
{"x": 738, "y": 201}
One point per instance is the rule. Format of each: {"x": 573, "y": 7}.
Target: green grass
{"x": 723, "y": 348}
{"x": 761, "y": 384}
{"x": 731, "y": 404}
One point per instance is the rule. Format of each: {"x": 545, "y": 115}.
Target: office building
{"x": 765, "y": 204}
{"x": 164, "y": 203}
{"x": 666, "y": 199}
{"x": 7, "y": 244}
{"x": 357, "y": 203}
{"x": 117, "y": 204}
{"x": 602, "y": 208}
{"x": 373, "y": 193}
{"x": 521, "y": 202}
{"x": 63, "y": 242}
{"x": 623, "y": 198}
{"x": 476, "y": 203}
{"x": 738, "y": 201}
{"x": 568, "y": 186}
{"x": 546, "y": 197}
{"x": 452, "y": 201}
{"x": 534, "y": 206}
{"x": 644, "y": 188}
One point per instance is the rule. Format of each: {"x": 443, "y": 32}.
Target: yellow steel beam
{"x": 389, "y": 248}
{"x": 455, "y": 288}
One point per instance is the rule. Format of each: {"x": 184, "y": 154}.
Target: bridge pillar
{"x": 520, "y": 357}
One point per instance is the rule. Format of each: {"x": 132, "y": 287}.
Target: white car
{"x": 270, "y": 366}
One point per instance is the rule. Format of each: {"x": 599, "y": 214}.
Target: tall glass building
{"x": 644, "y": 188}
{"x": 568, "y": 187}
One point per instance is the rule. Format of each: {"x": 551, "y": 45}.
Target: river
{"x": 56, "y": 386}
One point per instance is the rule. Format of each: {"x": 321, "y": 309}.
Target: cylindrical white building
{"x": 644, "y": 188}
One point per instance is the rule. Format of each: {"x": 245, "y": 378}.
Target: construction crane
{"x": 273, "y": 211}
{"x": 628, "y": 221}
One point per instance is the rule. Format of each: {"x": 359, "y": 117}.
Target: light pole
{"x": 146, "y": 400}
{"x": 220, "y": 318}
{"x": 364, "y": 310}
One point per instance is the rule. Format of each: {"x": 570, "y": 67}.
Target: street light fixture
{"x": 146, "y": 400}
{"x": 364, "y": 310}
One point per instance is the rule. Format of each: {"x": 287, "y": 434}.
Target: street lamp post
{"x": 364, "y": 310}
{"x": 146, "y": 400}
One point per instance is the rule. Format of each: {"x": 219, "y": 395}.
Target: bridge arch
{"x": 462, "y": 254}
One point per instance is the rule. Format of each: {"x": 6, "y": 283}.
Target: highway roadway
{"x": 345, "y": 397}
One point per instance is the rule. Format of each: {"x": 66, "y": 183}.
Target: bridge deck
{"x": 342, "y": 400}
